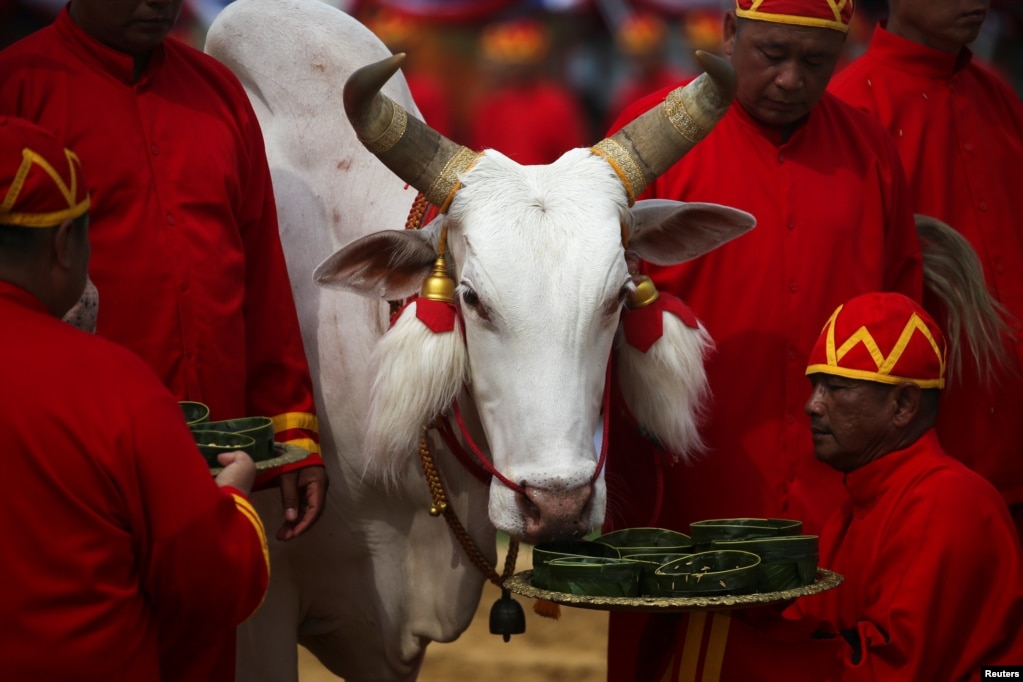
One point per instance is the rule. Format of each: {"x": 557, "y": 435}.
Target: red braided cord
{"x": 515, "y": 486}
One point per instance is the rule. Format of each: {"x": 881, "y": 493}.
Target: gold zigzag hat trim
{"x": 836, "y": 6}
{"x": 29, "y": 159}
{"x": 885, "y": 364}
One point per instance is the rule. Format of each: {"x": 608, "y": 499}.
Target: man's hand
{"x": 303, "y": 493}
{"x": 239, "y": 471}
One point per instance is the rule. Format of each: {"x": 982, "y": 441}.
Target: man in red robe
{"x": 522, "y": 113}
{"x": 119, "y": 539}
{"x": 186, "y": 253}
{"x": 642, "y": 42}
{"x": 827, "y": 189}
{"x": 959, "y": 131}
{"x": 932, "y": 567}
{"x": 187, "y": 257}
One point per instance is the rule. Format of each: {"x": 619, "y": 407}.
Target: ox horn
{"x": 414, "y": 151}
{"x": 652, "y": 143}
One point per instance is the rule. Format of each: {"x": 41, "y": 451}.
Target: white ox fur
{"x": 542, "y": 276}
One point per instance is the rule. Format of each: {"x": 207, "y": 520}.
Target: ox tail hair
{"x": 416, "y": 374}
{"x": 666, "y": 387}
{"x": 975, "y": 322}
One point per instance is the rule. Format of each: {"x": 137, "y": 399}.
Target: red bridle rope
{"x": 483, "y": 469}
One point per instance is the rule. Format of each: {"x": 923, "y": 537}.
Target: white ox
{"x": 537, "y": 253}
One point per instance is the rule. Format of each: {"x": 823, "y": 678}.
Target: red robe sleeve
{"x": 933, "y": 568}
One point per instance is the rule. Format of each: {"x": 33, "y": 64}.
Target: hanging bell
{"x": 643, "y": 294}
{"x": 438, "y": 286}
{"x": 507, "y": 617}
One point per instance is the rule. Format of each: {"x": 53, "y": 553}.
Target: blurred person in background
{"x": 522, "y": 112}
{"x": 642, "y": 43}
{"x": 400, "y": 34}
{"x": 958, "y": 127}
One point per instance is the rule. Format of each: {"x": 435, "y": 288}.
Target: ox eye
{"x": 469, "y": 297}
{"x": 471, "y": 302}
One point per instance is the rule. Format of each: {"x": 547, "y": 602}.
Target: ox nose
{"x": 555, "y": 514}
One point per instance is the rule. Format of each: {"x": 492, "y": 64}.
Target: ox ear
{"x": 390, "y": 265}
{"x": 666, "y": 232}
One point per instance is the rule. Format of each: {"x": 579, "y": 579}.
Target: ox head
{"x": 542, "y": 270}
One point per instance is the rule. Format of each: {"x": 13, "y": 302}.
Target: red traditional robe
{"x": 933, "y": 571}
{"x": 833, "y": 221}
{"x": 186, "y": 254}
{"x": 932, "y": 590}
{"x": 959, "y": 131}
{"x": 531, "y": 123}
{"x": 118, "y": 539}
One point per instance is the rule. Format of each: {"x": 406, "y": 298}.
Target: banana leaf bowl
{"x": 195, "y": 413}
{"x": 546, "y": 552}
{"x": 594, "y": 576}
{"x": 212, "y": 443}
{"x": 717, "y": 572}
{"x": 259, "y": 429}
{"x": 648, "y": 563}
{"x": 786, "y": 562}
{"x": 706, "y": 532}
{"x": 636, "y": 540}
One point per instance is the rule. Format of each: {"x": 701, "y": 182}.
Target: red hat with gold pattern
{"x": 883, "y": 337}
{"x": 642, "y": 33}
{"x": 517, "y": 41}
{"x": 394, "y": 30}
{"x": 41, "y": 182}
{"x": 835, "y": 14}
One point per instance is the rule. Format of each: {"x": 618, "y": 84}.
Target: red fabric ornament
{"x": 439, "y": 316}
{"x": 643, "y": 326}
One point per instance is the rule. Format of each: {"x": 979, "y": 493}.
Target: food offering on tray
{"x": 707, "y": 573}
{"x": 252, "y": 435}
{"x": 727, "y": 562}
{"x": 544, "y": 553}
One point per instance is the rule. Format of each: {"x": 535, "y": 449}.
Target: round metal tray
{"x": 522, "y": 584}
{"x": 286, "y": 454}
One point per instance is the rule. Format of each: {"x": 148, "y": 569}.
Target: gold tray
{"x": 522, "y": 584}
{"x": 286, "y": 454}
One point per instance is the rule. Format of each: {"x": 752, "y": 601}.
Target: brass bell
{"x": 507, "y": 617}
{"x": 644, "y": 294}
{"x": 438, "y": 286}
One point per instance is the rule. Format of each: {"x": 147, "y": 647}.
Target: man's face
{"x": 131, "y": 26}
{"x": 942, "y": 24}
{"x": 851, "y": 420}
{"x": 782, "y": 70}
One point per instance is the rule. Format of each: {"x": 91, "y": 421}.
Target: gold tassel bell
{"x": 643, "y": 295}
{"x": 438, "y": 286}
